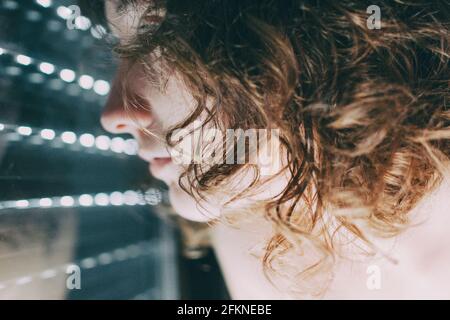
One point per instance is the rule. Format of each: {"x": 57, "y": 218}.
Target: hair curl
{"x": 363, "y": 114}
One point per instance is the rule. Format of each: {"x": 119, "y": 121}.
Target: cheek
{"x": 174, "y": 105}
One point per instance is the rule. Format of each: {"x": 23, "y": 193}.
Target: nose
{"x": 116, "y": 117}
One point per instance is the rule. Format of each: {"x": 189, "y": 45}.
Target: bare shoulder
{"x": 417, "y": 267}
{"x": 241, "y": 268}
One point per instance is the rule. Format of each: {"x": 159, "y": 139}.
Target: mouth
{"x": 160, "y": 161}
{"x": 158, "y": 164}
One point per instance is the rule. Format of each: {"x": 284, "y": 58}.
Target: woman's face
{"x": 159, "y": 111}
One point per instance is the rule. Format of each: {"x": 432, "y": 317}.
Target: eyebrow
{"x": 122, "y": 5}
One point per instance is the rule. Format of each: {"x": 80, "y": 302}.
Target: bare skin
{"x": 415, "y": 264}
{"x": 420, "y": 269}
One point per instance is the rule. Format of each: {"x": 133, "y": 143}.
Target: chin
{"x": 184, "y": 204}
{"x": 187, "y": 207}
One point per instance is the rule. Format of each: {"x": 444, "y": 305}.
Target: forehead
{"x": 123, "y": 16}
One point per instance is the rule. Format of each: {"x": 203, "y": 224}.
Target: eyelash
{"x": 150, "y": 25}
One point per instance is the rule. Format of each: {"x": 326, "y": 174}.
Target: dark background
{"x": 137, "y": 252}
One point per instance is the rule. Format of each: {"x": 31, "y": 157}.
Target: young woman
{"x": 353, "y": 201}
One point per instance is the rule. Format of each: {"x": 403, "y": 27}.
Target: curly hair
{"x": 363, "y": 113}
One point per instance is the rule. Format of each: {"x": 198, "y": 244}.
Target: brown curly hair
{"x": 363, "y": 114}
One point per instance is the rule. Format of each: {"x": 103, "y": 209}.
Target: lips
{"x": 161, "y": 161}
{"x": 157, "y": 165}
{"x": 158, "y": 158}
